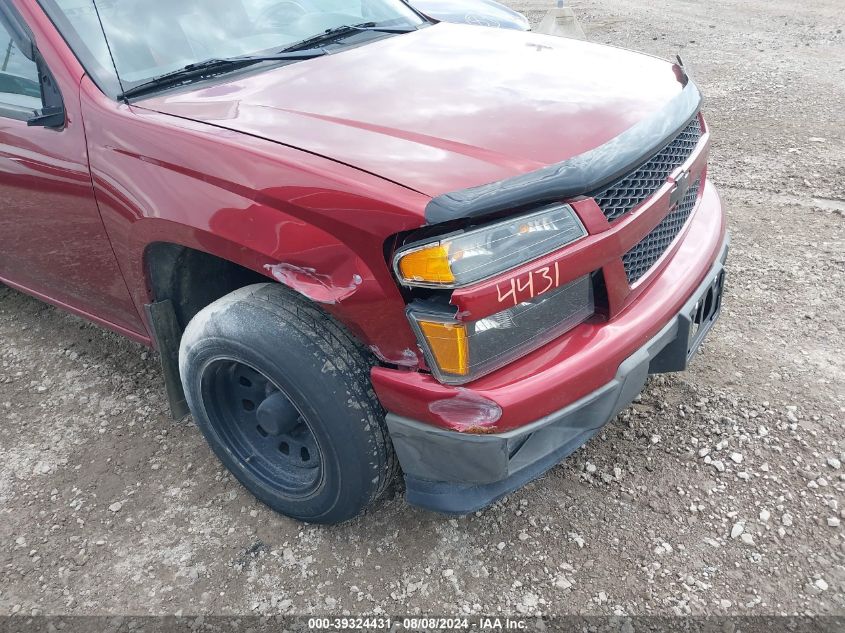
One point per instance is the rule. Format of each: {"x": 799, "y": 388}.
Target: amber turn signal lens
{"x": 429, "y": 265}
{"x": 449, "y": 346}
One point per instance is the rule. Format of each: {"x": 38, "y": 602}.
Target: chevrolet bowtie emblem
{"x": 682, "y": 183}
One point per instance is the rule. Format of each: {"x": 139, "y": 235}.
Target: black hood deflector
{"x": 576, "y": 176}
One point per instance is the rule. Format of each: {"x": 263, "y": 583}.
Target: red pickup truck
{"x": 361, "y": 240}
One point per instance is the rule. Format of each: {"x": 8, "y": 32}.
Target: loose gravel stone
{"x": 563, "y": 583}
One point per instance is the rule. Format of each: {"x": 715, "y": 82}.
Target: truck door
{"x": 52, "y": 241}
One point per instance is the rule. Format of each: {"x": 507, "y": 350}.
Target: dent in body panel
{"x": 407, "y": 358}
{"x": 467, "y": 412}
{"x": 289, "y": 215}
{"x": 315, "y": 286}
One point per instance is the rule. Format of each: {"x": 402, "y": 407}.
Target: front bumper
{"x": 585, "y": 358}
{"x": 458, "y": 473}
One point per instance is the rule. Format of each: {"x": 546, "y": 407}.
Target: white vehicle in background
{"x": 481, "y": 12}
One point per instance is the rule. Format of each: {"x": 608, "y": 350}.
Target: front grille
{"x": 629, "y": 192}
{"x": 639, "y": 260}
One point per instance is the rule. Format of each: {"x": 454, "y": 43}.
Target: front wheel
{"x": 282, "y": 394}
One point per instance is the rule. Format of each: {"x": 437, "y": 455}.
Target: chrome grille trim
{"x": 629, "y": 192}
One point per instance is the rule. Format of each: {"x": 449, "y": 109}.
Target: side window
{"x": 19, "y": 84}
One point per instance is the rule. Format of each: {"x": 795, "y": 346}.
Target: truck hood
{"x": 445, "y": 108}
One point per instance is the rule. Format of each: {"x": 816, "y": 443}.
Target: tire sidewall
{"x": 316, "y": 385}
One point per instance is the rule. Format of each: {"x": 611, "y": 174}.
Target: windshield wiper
{"x": 210, "y": 67}
{"x": 346, "y": 29}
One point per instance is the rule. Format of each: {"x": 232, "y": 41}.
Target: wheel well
{"x": 191, "y": 279}
{"x": 184, "y": 281}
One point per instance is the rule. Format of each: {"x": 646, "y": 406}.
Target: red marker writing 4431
{"x": 531, "y": 285}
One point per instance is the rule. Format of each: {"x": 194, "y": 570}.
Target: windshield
{"x": 148, "y": 38}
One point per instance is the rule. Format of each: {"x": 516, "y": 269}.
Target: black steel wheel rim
{"x": 261, "y": 428}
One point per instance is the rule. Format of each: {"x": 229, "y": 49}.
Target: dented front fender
{"x": 314, "y": 225}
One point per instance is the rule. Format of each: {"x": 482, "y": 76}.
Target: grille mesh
{"x": 639, "y": 260}
{"x": 629, "y": 192}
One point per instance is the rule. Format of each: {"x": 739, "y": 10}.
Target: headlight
{"x": 464, "y": 258}
{"x": 458, "y": 352}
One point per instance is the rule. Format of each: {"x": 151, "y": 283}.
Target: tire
{"x": 282, "y": 393}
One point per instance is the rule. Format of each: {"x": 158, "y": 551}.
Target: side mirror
{"x": 48, "y": 117}
{"x": 52, "y": 115}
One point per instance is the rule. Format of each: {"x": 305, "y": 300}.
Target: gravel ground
{"x": 719, "y": 492}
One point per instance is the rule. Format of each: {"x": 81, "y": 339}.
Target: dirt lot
{"x": 720, "y": 491}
